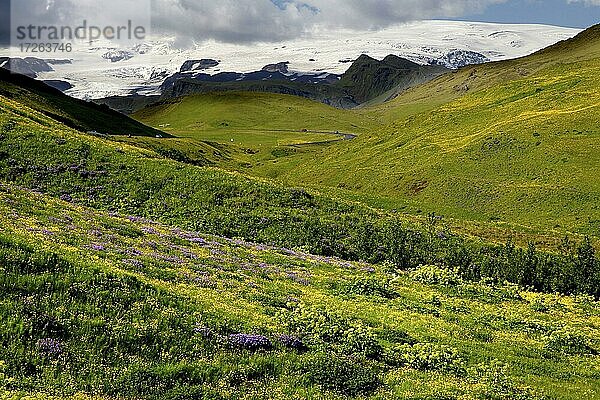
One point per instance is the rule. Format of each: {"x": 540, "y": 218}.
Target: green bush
{"x": 435, "y": 275}
{"x": 567, "y": 342}
{"x": 426, "y": 357}
{"x": 369, "y": 287}
{"x": 327, "y": 330}
{"x": 348, "y": 376}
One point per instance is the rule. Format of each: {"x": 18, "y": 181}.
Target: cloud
{"x": 4, "y": 22}
{"x": 274, "y": 20}
{"x": 256, "y": 20}
{"x": 586, "y": 2}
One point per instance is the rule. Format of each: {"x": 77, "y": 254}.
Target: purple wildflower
{"x": 290, "y": 252}
{"x": 198, "y": 240}
{"x": 133, "y": 252}
{"x": 66, "y": 197}
{"x": 294, "y": 277}
{"x": 134, "y": 263}
{"x": 204, "y": 331}
{"x": 149, "y": 230}
{"x": 249, "y": 342}
{"x": 189, "y": 254}
{"x": 50, "y": 347}
{"x": 170, "y": 259}
{"x": 97, "y": 247}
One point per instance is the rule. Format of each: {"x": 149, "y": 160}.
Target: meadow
{"x": 103, "y": 305}
{"x": 513, "y": 142}
{"x": 113, "y": 176}
{"x": 174, "y": 268}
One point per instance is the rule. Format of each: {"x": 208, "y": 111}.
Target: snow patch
{"x": 453, "y": 43}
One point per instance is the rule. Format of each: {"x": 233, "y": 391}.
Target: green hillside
{"x": 104, "y": 306}
{"x": 254, "y": 128}
{"x": 136, "y": 269}
{"x": 220, "y": 115}
{"x": 513, "y": 141}
{"x": 77, "y": 114}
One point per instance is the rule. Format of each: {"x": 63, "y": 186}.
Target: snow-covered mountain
{"x": 103, "y": 71}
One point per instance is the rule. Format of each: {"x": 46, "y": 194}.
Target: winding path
{"x": 341, "y": 136}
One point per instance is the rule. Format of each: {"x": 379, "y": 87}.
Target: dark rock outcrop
{"x": 281, "y": 67}
{"x": 58, "y": 84}
{"x": 28, "y": 66}
{"x": 198, "y": 65}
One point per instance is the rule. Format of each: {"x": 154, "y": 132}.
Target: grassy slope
{"x": 130, "y": 291}
{"x": 126, "y": 296}
{"x": 256, "y": 128}
{"x": 515, "y": 141}
{"x": 221, "y": 115}
{"x": 39, "y": 153}
{"x": 81, "y": 115}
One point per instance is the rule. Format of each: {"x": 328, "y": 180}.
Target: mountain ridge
{"x": 78, "y": 114}
{"x": 365, "y": 80}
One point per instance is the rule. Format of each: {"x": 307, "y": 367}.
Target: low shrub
{"x": 327, "y": 330}
{"x": 435, "y": 275}
{"x": 369, "y": 287}
{"x": 426, "y": 357}
{"x": 567, "y": 342}
{"x": 291, "y": 342}
{"x": 347, "y": 376}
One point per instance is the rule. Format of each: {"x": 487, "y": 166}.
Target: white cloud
{"x": 263, "y": 20}
{"x": 260, "y": 20}
{"x": 586, "y": 2}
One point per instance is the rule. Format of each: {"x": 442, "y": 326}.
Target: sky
{"x": 578, "y": 14}
{"x": 243, "y": 21}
